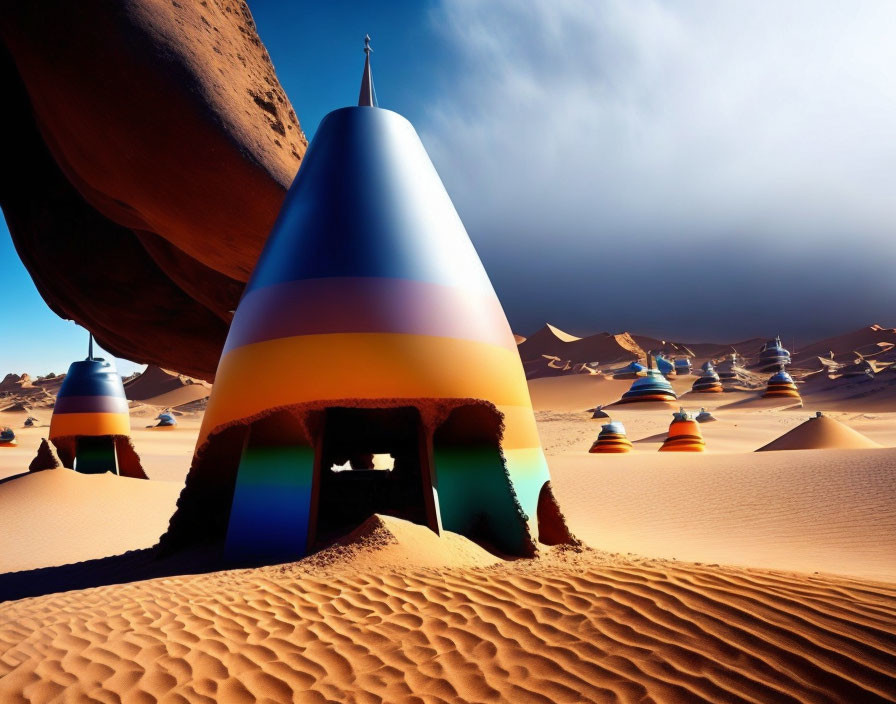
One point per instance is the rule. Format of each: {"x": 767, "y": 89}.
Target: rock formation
{"x": 151, "y": 149}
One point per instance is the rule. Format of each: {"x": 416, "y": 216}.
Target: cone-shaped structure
{"x": 166, "y": 420}
{"x": 630, "y": 371}
{"x": 772, "y": 355}
{"x": 781, "y": 385}
{"x": 708, "y": 382}
{"x": 600, "y": 414}
{"x": 666, "y": 367}
{"x": 730, "y": 371}
{"x": 683, "y": 366}
{"x": 684, "y": 434}
{"x": 90, "y": 426}
{"x": 30, "y": 421}
{"x": 653, "y": 387}
{"x": 611, "y": 439}
{"x": 705, "y": 416}
{"x": 7, "y": 438}
{"x": 377, "y": 331}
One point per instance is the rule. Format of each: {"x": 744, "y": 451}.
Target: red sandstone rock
{"x": 151, "y": 147}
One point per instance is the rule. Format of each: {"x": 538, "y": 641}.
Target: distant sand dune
{"x": 819, "y": 434}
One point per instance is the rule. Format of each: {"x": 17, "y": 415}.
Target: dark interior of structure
{"x": 347, "y": 497}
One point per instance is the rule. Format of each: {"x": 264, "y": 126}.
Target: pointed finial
{"x": 90, "y": 346}
{"x": 367, "y": 97}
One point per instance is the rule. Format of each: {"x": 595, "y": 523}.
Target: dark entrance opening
{"x": 95, "y": 455}
{"x": 347, "y": 487}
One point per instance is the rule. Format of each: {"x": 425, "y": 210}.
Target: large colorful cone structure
{"x": 772, "y": 355}
{"x": 369, "y": 326}
{"x": 781, "y": 385}
{"x": 684, "y": 434}
{"x": 708, "y": 382}
{"x": 7, "y": 438}
{"x": 653, "y": 387}
{"x": 90, "y": 426}
{"x": 611, "y": 439}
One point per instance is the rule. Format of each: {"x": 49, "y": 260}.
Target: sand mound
{"x": 829, "y": 511}
{"x": 595, "y": 630}
{"x": 155, "y": 382}
{"x": 385, "y": 540}
{"x": 59, "y": 516}
{"x": 820, "y": 433}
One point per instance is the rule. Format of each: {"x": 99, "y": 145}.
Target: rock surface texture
{"x": 152, "y": 147}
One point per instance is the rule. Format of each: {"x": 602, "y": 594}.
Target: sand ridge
{"x": 589, "y": 627}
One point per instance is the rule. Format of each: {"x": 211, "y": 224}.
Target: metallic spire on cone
{"x": 367, "y": 97}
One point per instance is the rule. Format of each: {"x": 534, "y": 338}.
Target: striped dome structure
{"x": 368, "y": 328}
{"x": 7, "y": 437}
{"x": 666, "y": 367}
{"x": 781, "y": 385}
{"x": 772, "y": 355}
{"x": 708, "y": 382}
{"x": 653, "y": 387}
{"x": 166, "y": 420}
{"x": 631, "y": 371}
{"x": 684, "y": 434}
{"x": 90, "y": 426}
{"x": 682, "y": 366}
{"x": 611, "y": 439}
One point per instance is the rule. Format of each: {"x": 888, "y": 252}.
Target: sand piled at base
{"x": 59, "y": 516}
{"x": 820, "y": 433}
{"x": 385, "y": 540}
{"x": 564, "y": 628}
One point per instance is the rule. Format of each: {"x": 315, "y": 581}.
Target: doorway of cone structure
{"x": 351, "y": 484}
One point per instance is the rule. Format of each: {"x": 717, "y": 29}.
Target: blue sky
{"x": 705, "y": 170}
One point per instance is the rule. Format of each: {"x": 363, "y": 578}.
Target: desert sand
{"x": 727, "y": 576}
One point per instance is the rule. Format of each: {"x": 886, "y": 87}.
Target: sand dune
{"x": 565, "y": 628}
{"x": 820, "y": 433}
{"x": 866, "y": 340}
{"x": 824, "y": 510}
{"x": 160, "y": 387}
{"x": 601, "y": 347}
{"x": 59, "y": 516}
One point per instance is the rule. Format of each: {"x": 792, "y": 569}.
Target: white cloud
{"x": 574, "y": 119}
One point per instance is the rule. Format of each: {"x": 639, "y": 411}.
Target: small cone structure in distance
{"x": 684, "y": 434}
{"x": 600, "y": 414}
{"x": 683, "y": 366}
{"x": 708, "y": 382}
{"x": 772, "y": 355}
{"x": 781, "y": 385}
{"x": 611, "y": 439}
{"x": 7, "y": 438}
{"x": 652, "y": 387}
{"x": 91, "y": 425}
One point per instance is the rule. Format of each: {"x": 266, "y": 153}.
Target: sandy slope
{"x": 396, "y": 614}
{"x": 59, "y": 516}
{"x": 820, "y": 510}
{"x": 561, "y": 629}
